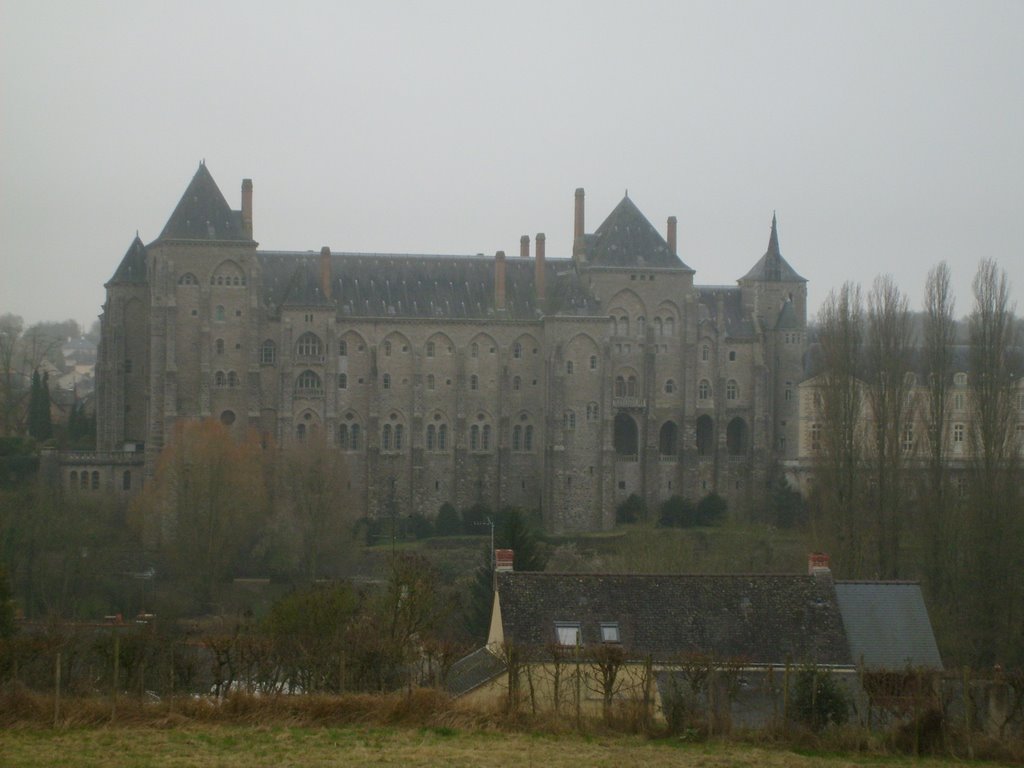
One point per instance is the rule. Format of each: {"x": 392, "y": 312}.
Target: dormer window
{"x": 610, "y": 632}
{"x": 568, "y": 633}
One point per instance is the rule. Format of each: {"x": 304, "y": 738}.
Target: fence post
{"x": 56, "y": 691}
{"x": 117, "y": 660}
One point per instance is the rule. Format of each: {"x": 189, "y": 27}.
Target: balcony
{"x": 309, "y": 393}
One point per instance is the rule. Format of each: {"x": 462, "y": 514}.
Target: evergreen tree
{"x": 39, "y": 425}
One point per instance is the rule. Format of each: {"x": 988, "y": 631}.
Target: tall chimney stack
{"x": 672, "y": 235}
{"x": 499, "y": 281}
{"x": 578, "y": 227}
{"x": 325, "y": 272}
{"x": 247, "y": 206}
{"x": 524, "y": 247}
{"x": 539, "y": 273}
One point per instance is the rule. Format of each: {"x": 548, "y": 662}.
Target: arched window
{"x": 442, "y": 437}
{"x": 309, "y": 345}
{"x": 95, "y": 481}
{"x": 398, "y": 437}
{"x": 268, "y": 353}
{"x": 620, "y": 386}
{"x": 568, "y": 367}
{"x": 670, "y": 386}
{"x": 430, "y": 349}
{"x": 431, "y": 441}
{"x": 704, "y": 390}
{"x": 385, "y": 438}
{"x": 615, "y": 325}
{"x": 474, "y": 382}
{"x": 354, "y": 437}
{"x": 705, "y": 353}
{"x": 631, "y": 386}
{"x": 232, "y": 379}
{"x": 670, "y": 326}
{"x": 342, "y": 381}
{"x": 300, "y": 431}
{"x": 387, "y": 349}
{"x": 85, "y": 479}
{"x": 485, "y": 438}
{"x": 343, "y": 436}
{"x": 592, "y": 412}
{"x": 732, "y": 390}
{"x": 188, "y": 279}
{"x": 219, "y": 346}
{"x": 220, "y": 380}
{"x": 623, "y": 326}
{"x": 659, "y": 328}
{"x": 528, "y": 438}
{"x": 385, "y": 381}
{"x": 789, "y": 391}
{"x": 593, "y": 362}
{"x": 517, "y": 383}
{"x": 517, "y": 438}
{"x": 474, "y": 438}
{"x": 705, "y": 436}
{"x": 625, "y": 435}
{"x": 736, "y": 437}
{"x": 640, "y": 325}
{"x": 569, "y": 420}
{"x": 668, "y": 439}
{"x": 218, "y": 313}
{"x": 308, "y": 381}
{"x": 431, "y": 381}
{"x": 474, "y": 350}
{"x": 517, "y": 350}
{"x": 342, "y": 348}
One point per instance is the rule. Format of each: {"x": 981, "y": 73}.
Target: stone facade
{"x": 559, "y": 384}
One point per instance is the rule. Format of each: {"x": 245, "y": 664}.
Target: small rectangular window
{"x": 610, "y": 632}
{"x": 568, "y": 633}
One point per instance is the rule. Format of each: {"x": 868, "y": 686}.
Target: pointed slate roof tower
{"x": 627, "y": 239}
{"x": 772, "y": 267}
{"x": 204, "y": 214}
{"x": 132, "y": 268}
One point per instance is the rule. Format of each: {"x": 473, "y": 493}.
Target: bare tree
{"x": 840, "y": 405}
{"x": 889, "y": 393}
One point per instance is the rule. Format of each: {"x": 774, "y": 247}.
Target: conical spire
{"x": 132, "y": 268}
{"x": 203, "y": 213}
{"x": 773, "y": 239}
{"x": 772, "y": 267}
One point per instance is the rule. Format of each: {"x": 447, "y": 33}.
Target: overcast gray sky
{"x": 888, "y": 136}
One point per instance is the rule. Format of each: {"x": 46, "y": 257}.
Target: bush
{"x": 447, "y": 522}
{"x": 818, "y": 699}
{"x": 677, "y": 512}
{"x": 419, "y": 527}
{"x": 632, "y": 509}
{"x": 472, "y": 517}
{"x": 711, "y": 510}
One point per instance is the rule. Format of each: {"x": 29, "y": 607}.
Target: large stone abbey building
{"x": 564, "y": 384}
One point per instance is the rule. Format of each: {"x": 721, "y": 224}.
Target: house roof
{"x": 204, "y": 214}
{"x": 132, "y": 268}
{"x": 472, "y": 671}
{"x": 738, "y": 322}
{"x": 627, "y": 239}
{"x": 772, "y": 267}
{"x": 887, "y": 624}
{"x": 422, "y": 286}
{"x": 760, "y": 619}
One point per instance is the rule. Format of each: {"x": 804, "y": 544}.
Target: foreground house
{"x": 617, "y": 638}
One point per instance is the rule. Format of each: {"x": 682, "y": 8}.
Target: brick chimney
{"x": 325, "y": 271}
{"x": 247, "y": 207}
{"x": 578, "y": 224}
{"x": 818, "y": 564}
{"x": 672, "y": 235}
{"x": 503, "y": 559}
{"x": 539, "y": 273}
{"x": 524, "y": 247}
{"x": 499, "y": 281}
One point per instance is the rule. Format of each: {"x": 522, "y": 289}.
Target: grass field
{"x": 249, "y": 747}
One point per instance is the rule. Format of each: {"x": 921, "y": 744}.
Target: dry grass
{"x": 422, "y": 728}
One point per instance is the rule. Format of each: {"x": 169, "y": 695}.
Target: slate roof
{"x": 887, "y": 624}
{"x": 627, "y": 239}
{"x": 760, "y": 619}
{"x": 472, "y": 671}
{"x": 738, "y": 323}
{"x": 772, "y": 267}
{"x": 788, "y": 321}
{"x": 421, "y": 286}
{"x": 132, "y": 268}
{"x": 204, "y": 214}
